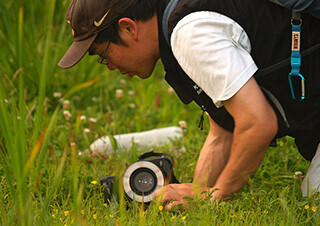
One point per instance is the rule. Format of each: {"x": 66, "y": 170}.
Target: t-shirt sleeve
{"x": 214, "y": 51}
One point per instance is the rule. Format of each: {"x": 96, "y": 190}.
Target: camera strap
{"x": 154, "y": 154}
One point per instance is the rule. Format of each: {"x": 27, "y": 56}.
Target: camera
{"x": 142, "y": 178}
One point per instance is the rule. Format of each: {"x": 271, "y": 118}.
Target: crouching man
{"x": 216, "y": 53}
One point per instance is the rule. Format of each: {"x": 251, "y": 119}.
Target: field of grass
{"x": 48, "y": 115}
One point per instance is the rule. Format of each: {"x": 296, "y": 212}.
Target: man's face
{"x": 139, "y": 55}
{"x": 129, "y": 59}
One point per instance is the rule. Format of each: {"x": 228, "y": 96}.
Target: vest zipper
{"x": 201, "y": 118}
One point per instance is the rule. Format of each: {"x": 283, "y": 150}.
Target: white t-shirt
{"x": 214, "y": 51}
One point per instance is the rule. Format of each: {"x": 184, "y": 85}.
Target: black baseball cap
{"x": 86, "y": 19}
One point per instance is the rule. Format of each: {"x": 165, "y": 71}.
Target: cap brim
{"x": 75, "y": 53}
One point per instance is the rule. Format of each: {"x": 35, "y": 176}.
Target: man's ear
{"x": 129, "y": 27}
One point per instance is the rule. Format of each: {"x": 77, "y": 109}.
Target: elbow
{"x": 271, "y": 130}
{"x": 268, "y": 127}
{"x": 263, "y": 128}
{"x": 272, "y": 125}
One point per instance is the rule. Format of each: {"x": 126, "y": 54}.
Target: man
{"x": 216, "y": 50}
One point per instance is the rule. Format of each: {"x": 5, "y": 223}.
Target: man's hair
{"x": 142, "y": 11}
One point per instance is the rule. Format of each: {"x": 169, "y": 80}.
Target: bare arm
{"x": 213, "y": 156}
{"x": 226, "y": 161}
{"x": 212, "y": 160}
{"x": 255, "y": 127}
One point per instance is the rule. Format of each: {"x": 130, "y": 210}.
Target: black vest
{"x": 269, "y": 30}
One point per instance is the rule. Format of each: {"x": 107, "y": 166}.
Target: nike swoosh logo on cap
{"x": 101, "y": 20}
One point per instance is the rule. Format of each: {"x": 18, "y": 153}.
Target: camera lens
{"x": 143, "y": 181}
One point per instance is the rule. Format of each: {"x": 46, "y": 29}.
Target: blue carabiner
{"x": 302, "y": 97}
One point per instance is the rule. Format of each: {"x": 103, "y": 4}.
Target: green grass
{"x": 44, "y": 181}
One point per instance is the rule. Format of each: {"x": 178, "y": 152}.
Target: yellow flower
{"x": 265, "y": 212}
{"x": 314, "y": 209}
{"x": 66, "y": 213}
{"x": 94, "y": 216}
{"x": 306, "y": 207}
{"x": 173, "y": 217}
{"x": 56, "y": 210}
{"x": 54, "y": 216}
{"x": 184, "y": 217}
{"x": 94, "y": 182}
{"x": 82, "y": 212}
{"x": 160, "y": 208}
{"x": 111, "y": 215}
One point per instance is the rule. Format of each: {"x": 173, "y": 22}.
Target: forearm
{"x": 227, "y": 173}
{"x": 214, "y": 155}
{"x": 247, "y": 152}
{"x": 255, "y": 126}
{"x": 227, "y": 160}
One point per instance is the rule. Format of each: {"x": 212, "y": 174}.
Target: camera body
{"x": 142, "y": 178}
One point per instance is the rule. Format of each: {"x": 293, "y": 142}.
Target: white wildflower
{"x": 137, "y": 142}
{"x": 83, "y": 118}
{"x": 298, "y": 175}
{"x": 119, "y": 93}
{"x": 183, "y": 124}
{"x": 123, "y": 82}
{"x": 67, "y": 115}
{"x": 170, "y": 90}
{"x": 66, "y": 104}
{"x": 57, "y": 95}
{"x": 93, "y": 120}
{"x": 131, "y": 92}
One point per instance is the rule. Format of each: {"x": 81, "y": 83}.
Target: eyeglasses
{"x": 102, "y": 59}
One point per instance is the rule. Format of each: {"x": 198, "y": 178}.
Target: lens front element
{"x": 141, "y": 180}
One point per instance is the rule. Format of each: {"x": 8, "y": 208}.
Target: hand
{"x": 173, "y": 194}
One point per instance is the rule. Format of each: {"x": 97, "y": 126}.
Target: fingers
{"x": 166, "y": 194}
{"x": 173, "y": 194}
{"x": 173, "y": 204}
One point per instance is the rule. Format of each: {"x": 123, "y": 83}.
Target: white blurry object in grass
{"x": 311, "y": 183}
{"x": 143, "y": 140}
